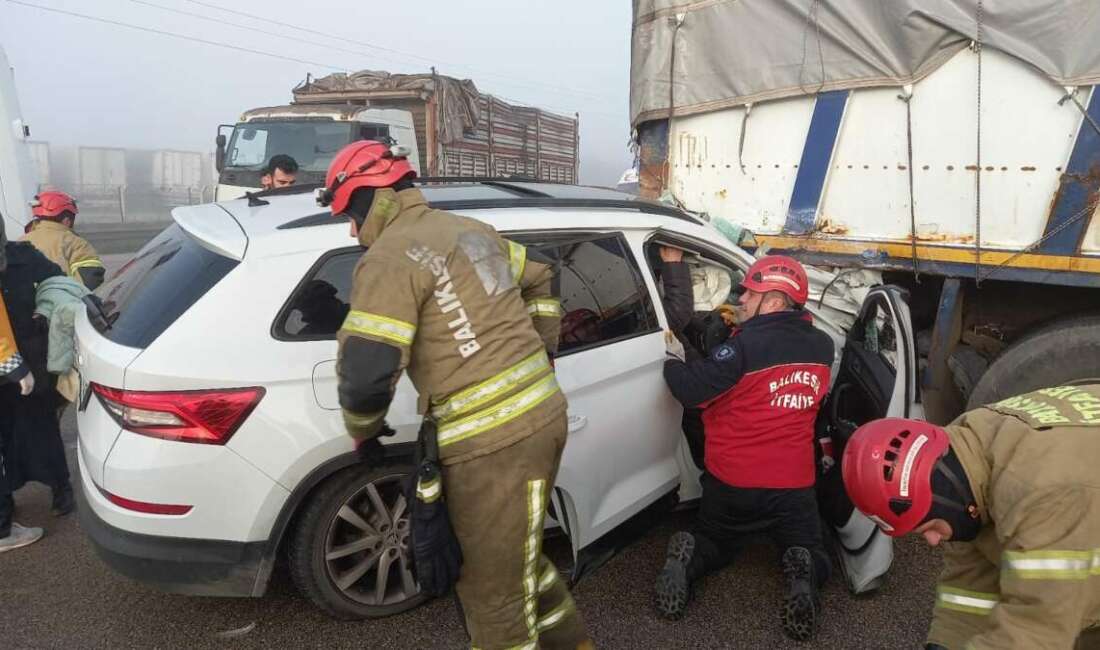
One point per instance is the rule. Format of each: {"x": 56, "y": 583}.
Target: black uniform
{"x": 699, "y": 332}
{"x": 30, "y": 435}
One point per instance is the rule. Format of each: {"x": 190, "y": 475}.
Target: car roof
{"x": 284, "y": 221}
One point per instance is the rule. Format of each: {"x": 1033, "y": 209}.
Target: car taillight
{"x": 203, "y": 416}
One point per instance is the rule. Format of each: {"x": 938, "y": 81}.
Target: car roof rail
{"x": 256, "y": 198}
{"x": 646, "y": 207}
{"x": 506, "y": 183}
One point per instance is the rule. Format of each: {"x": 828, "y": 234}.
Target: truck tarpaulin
{"x": 745, "y": 51}
{"x": 457, "y": 99}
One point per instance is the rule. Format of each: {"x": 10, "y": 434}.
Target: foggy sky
{"x": 93, "y": 84}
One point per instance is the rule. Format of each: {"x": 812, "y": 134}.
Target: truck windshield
{"x": 311, "y": 143}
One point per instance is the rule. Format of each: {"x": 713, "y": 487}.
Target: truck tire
{"x": 1064, "y": 352}
{"x": 355, "y": 524}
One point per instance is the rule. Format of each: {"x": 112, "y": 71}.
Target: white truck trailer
{"x": 952, "y": 146}
{"x": 17, "y": 187}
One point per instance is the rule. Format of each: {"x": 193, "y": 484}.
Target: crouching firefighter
{"x": 760, "y": 392}
{"x": 1012, "y": 488}
{"x": 473, "y": 318}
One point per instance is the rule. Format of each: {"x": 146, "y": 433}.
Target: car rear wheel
{"x": 350, "y": 552}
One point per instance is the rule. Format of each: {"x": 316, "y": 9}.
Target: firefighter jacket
{"x": 760, "y": 391}
{"x": 1031, "y": 579}
{"x": 472, "y": 317}
{"x": 68, "y": 250}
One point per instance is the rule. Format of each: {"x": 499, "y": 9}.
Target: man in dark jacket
{"x": 30, "y": 436}
{"x": 760, "y": 392}
{"x": 698, "y": 331}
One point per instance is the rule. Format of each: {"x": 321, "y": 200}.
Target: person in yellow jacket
{"x": 51, "y": 232}
{"x": 1014, "y": 490}
{"x": 472, "y": 318}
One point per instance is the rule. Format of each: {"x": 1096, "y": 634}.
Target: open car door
{"x": 876, "y": 379}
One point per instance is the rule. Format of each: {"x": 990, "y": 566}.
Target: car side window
{"x": 319, "y": 305}
{"x": 879, "y": 335}
{"x": 602, "y": 294}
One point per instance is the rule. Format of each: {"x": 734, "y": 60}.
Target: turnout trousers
{"x": 510, "y": 592}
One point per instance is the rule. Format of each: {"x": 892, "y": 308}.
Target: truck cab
{"x": 311, "y": 134}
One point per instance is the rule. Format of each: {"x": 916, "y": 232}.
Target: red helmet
{"x": 51, "y": 204}
{"x": 887, "y": 471}
{"x": 365, "y": 163}
{"x": 778, "y": 273}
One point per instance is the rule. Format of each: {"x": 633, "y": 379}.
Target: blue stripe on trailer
{"x": 1077, "y": 189}
{"x": 814, "y": 166}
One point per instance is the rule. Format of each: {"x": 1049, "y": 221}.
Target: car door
{"x": 621, "y": 454}
{"x": 877, "y": 379}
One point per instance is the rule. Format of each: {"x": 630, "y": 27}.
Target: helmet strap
{"x": 952, "y": 499}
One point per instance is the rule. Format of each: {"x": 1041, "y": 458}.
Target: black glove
{"x": 370, "y": 451}
{"x": 934, "y": 646}
{"x": 436, "y": 553}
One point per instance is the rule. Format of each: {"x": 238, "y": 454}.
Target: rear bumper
{"x": 198, "y": 567}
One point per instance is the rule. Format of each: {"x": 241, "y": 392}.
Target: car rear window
{"x": 158, "y": 285}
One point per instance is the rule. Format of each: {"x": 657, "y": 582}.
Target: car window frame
{"x": 284, "y": 312}
{"x": 537, "y": 239}
{"x": 530, "y": 238}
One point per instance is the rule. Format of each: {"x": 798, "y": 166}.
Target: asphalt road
{"x": 57, "y": 594}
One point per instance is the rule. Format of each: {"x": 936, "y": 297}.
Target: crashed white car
{"x": 211, "y": 440}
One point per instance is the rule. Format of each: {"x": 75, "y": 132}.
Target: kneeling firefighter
{"x": 473, "y": 319}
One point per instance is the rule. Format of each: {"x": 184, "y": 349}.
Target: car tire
{"x": 354, "y": 524}
{"x": 1065, "y": 352}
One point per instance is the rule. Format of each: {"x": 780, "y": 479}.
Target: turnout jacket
{"x": 70, "y": 251}
{"x": 1031, "y": 579}
{"x": 472, "y": 317}
{"x": 760, "y": 391}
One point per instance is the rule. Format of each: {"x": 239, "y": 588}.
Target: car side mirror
{"x": 219, "y": 152}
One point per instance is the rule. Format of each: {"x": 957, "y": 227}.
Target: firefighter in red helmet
{"x": 51, "y": 232}
{"x": 760, "y": 391}
{"x": 473, "y": 319}
{"x": 1012, "y": 488}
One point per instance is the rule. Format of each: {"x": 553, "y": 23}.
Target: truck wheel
{"x": 1065, "y": 352}
{"x": 350, "y": 552}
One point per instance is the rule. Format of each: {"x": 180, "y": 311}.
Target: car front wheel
{"x": 350, "y": 552}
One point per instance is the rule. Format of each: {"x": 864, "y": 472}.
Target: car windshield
{"x": 312, "y": 144}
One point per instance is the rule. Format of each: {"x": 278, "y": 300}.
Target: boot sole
{"x": 800, "y": 612}
{"x": 671, "y": 592}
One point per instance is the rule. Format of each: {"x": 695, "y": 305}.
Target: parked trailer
{"x": 888, "y": 136}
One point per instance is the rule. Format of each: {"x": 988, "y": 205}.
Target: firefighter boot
{"x": 673, "y": 589}
{"x": 801, "y": 607}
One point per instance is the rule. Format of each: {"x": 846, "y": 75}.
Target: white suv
{"x": 211, "y": 438}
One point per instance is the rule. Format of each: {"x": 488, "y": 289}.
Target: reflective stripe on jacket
{"x": 70, "y": 251}
{"x": 472, "y": 317}
{"x": 1031, "y": 579}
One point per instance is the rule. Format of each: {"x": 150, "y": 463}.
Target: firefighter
{"x": 473, "y": 319}
{"x": 1012, "y": 487}
{"x": 760, "y": 392}
{"x": 51, "y": 232}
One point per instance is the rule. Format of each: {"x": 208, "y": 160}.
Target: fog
{"x": 83, "y": 82}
